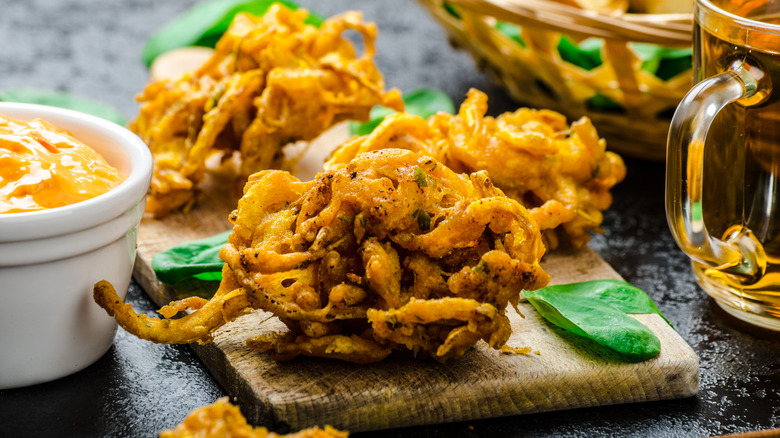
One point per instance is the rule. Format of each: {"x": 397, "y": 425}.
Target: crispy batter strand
{"x": 272, "y": 80}
{"x": 228, "y": 303}
{"x": 561, "y": 173}
{"x": 190, "y": 303}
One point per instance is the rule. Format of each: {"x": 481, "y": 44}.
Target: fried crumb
{"x": 506, "y": 349}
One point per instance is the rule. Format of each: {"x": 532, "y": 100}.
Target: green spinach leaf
{"x": 197, "y": 260}
{"x": 599, "y": 310}
{"x": 603, "y": 103}
{"x": 204, "y": 24}
{"x": 510, "y": 30}
{"x": 586, "y": 54}
{"x": 663, "y": 62}
{"x": 423, "y": 102}
{"x": 63, "y": 100}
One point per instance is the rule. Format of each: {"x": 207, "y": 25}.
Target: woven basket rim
{"x": 662, "y": 29}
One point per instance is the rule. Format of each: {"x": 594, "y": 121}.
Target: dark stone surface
{"x": 92, "y": 48}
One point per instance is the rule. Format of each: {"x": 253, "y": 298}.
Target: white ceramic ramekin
{"x": 50, "y": 326}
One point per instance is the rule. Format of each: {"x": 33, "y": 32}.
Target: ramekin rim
{"x": 88, "y": 213}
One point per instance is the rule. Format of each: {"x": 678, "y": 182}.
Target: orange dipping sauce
{"x": 43, "y": 167}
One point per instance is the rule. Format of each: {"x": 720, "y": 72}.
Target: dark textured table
{"x": 91, "y": 48}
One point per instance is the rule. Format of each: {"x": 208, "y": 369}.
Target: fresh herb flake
{"x": 350, "y": 219}
{"x": 420, "y": 177}
{"x": 482, "y": 267}
{"x": 423, "y": 219}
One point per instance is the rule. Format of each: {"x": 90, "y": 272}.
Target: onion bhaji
{"x": 272, "y": 80}
{"x": 221, "y": 419}
{"x": 389, "y": 251}
{"x": 561, "y": 173}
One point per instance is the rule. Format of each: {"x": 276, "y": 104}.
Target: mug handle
{"x": 740, "y": 253}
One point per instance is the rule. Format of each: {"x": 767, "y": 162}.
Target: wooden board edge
{"x": 483, "y": 400}
{"x": 213, "y": 358}
{"x": 254, "y": 405}
{"x": 494, "y": 399}
{"x": 147, "y": 279}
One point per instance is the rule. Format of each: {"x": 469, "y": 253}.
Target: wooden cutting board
{"x": 563, "y": 371}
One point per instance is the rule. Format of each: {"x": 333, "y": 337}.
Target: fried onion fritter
{"x": 222, "y": 419}
{"x": 272, "y": 80}
{"x": 390, "y": 251}
{"x": 561, "y": 173}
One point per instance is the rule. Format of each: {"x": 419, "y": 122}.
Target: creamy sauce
{"x": 42, "y": 167}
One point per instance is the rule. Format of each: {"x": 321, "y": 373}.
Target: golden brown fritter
{"x": 561, "y": 173}
{"x": 272, "y": 80}
{"x": 390, "y": 251}
{"x": 224, "y": 420}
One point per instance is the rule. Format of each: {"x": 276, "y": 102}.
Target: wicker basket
{"x": 536, "y": 75}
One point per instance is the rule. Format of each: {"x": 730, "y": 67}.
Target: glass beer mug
{"x": 723, "y": 158}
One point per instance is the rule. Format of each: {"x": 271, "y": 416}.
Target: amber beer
{"x": 723, "y": 186}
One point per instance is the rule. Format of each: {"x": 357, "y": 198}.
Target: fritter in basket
{"x": 561, "y": 173}
{"x": 224, "y": 420}
{"x": 272, "y": 80}
{"x": 390, "y": 251}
